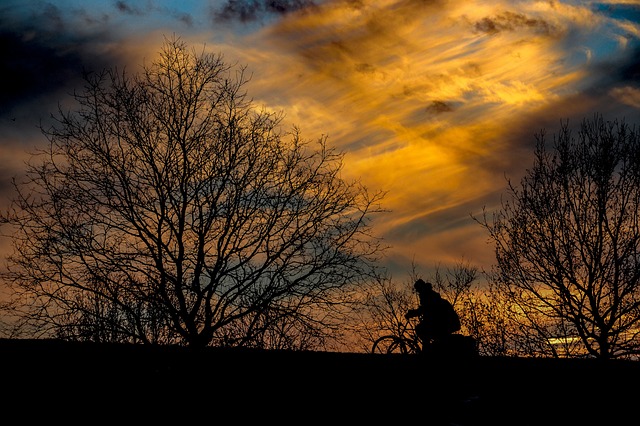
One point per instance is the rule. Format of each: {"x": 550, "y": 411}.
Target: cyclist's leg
{"x": 426, "y": 338}
{"x": 438, "y": 345}
{"x": 455, "y": 345}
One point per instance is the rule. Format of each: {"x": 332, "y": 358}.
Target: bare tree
{"x": 455, "y": 283}
{"x": 169, "y": 209}
{"x": 567, "y": 243}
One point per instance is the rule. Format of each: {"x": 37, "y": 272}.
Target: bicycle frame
{"x": 405, "y": 341}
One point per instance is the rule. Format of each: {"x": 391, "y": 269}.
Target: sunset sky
{"x": 434, "y": 102}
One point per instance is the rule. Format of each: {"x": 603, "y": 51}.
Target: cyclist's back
{"x": 438, "y": 318}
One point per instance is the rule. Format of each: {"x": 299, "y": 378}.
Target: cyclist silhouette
{"x": 438, "y": 319}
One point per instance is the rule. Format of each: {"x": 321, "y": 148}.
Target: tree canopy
{"x": 169, "y": 208}
{"x": 567, "y": 244}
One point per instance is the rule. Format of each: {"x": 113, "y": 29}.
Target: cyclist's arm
{"x": 412, "y": 313}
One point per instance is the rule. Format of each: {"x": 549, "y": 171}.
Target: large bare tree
{"x": 168, "y": 208}
{"x": 567, "y": 244}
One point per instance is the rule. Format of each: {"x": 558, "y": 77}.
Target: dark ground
{"x": 75, "y": 383}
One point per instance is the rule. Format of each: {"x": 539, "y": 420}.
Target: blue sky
{"x": 434, "y": 102}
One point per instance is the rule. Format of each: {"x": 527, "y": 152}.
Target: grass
{"x": 131, "y": 384}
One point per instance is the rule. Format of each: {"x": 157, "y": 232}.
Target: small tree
{"x": 567, "y": 243}
{"x": 168, "y": 209}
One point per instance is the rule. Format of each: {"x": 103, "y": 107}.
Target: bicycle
{"x": 407, "y": 342}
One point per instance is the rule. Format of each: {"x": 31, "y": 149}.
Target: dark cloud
{"x": 365, "y": 68}
{"x": 509, "y": 21}
{"x": 438, "y": 107}
{"x": 185, "y": 18}
{"x": 629, "y": 70}
{"x": 42, "y": 55}
{"x": 126, "y": 8}
{"x": 251, "y": 10}
{"x": 630, "y": 12}
{"x": 622, "y": 71}
{"x": 285, "y": 6}
{"x": 30, "y": 68}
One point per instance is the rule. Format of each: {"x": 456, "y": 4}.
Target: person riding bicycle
{"x": 438, "y": 318}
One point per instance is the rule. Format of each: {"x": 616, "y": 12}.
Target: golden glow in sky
{"x": 434, "y": 102}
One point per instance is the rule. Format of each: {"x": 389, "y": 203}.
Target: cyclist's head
{"x": 420, "y": 286}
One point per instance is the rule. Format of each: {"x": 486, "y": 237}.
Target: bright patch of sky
{"x": 432, "y": 100}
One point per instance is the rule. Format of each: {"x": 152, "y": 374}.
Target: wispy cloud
{"x": 251, "y": 10}
{"x": 433, "y": 101}
{"x": 436, "y": 101}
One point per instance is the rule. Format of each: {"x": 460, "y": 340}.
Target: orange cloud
{"x": 422, "y": 95}
{"x": 432, "y": 101}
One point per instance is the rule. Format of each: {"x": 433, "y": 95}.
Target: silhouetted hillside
{"x": 89, "y": 383}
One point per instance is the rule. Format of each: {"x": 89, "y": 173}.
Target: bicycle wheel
{"x": 390, "y": 345}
